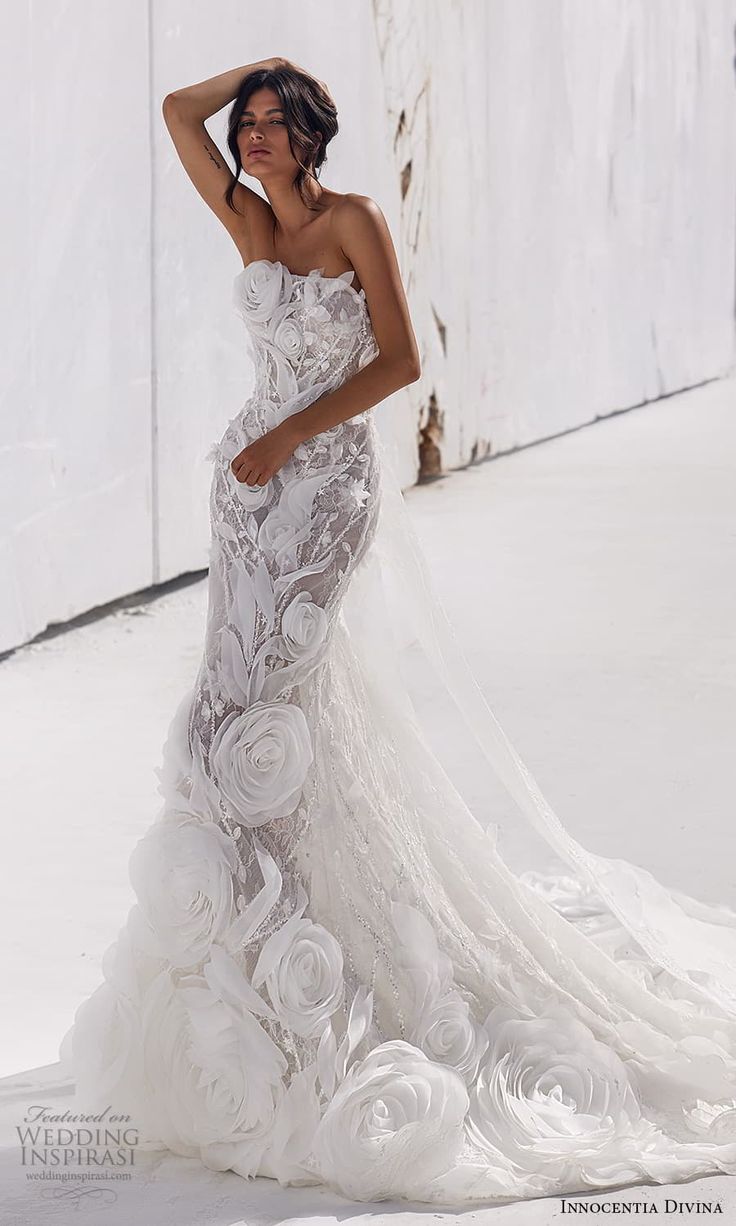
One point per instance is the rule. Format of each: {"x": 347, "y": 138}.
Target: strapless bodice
{"x": 304, "y": 329}
{"x": 307, "y": 333}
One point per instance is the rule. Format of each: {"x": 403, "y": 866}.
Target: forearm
{"x": 208, "y": 97}
{"x": 364, "y": 389}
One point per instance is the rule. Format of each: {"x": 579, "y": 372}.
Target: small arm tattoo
{"x": 214, "y": 159}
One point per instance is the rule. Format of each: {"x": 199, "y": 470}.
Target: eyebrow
{"x": 270, "y": 111}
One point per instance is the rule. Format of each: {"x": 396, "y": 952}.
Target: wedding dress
{"x": 331, "y": 974}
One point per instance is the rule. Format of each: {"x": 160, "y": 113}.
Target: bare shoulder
{"x": 364, "y": 236}
{"x": 360, "y": 219}
{"x": 353, "y": 202}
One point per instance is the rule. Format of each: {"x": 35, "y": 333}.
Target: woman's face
{"x": 262, "y": 136}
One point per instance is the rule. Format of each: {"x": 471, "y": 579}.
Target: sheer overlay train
{"x": 331, "y": 973}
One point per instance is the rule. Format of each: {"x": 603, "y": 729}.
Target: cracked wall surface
{"x": 559, "y": 177}
{"x": 568, "y": 231}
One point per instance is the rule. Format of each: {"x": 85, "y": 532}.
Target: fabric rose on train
{"x": 440, "y": 1023}
{"x": 301, "y": 966}
{"x": 182, "y": 872}
{"x": 196, "y": 1038}
{"x": 105, "y": 1040}
{"x": 577, "y": 901}
{"x": 393, "y": 1124}
{"x": 260, "y": 758}
{"x": 555, "y": 1102}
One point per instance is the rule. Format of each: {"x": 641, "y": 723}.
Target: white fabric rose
{"x": 104, "y": 1045}
{"x": 303, "y": 628}
{"x": 440, "y": 1023}
{"x": 359, "y": 492}
{"x": 554, "y": 1101}
{"x": 279, "y": 533}
{"x": 289, "y": 523}
{"x": 176, "y": 768}
{"x": 447, "y": 1033}
{"x": 663, "y": 984}
{"x": 251, "y": 496}
{"x": 259, "y": 289}
{"x": 182, "y": 872}
{"x": 104, "y": 1042}
{"x": 579, "y": 903}
{"x": 102, "y": 1051}
{"x": 392, "y": 1125}
{"x": 301, "y": 966}
{"x": 216, "y": 1077}
{"x": 289, "y": 338}
{"x": 260, "y": 758}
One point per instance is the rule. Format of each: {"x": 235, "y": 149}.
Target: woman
{"x": 331, "y": 975}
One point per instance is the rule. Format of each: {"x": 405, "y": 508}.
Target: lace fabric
{"x": 331, "y": 974}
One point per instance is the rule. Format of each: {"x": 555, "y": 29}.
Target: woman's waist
{"x": 261, "y": 413}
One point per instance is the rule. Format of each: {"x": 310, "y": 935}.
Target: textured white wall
{"x": 560, "y": 178}
{"x": 568, "y": 218}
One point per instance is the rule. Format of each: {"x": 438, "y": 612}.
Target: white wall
{"x": 570, "y": 214}
{"x": 75, "y": 415}
{"x": 559, "y": 176}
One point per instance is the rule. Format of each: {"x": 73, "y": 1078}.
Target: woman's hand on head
{"x": 305, "y": 73}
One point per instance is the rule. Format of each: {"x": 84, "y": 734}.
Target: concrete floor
{"x": 591, "y": 580}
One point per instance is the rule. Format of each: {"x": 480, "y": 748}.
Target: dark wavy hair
{"x": 307, "y": 109}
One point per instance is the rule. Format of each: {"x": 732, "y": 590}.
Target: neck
{"x": 290, "y": 211}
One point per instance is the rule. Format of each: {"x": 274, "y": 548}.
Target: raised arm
{"x": 185, "y": 111}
